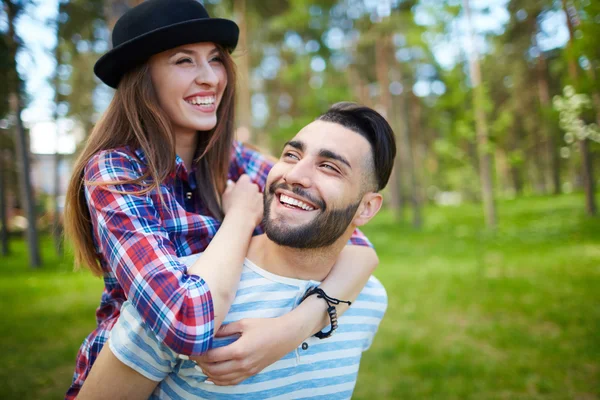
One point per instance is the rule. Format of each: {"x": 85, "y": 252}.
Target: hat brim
{"x": 111, "y": 67}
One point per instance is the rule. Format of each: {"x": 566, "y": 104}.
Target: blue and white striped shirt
{"x": 326, "y": 368}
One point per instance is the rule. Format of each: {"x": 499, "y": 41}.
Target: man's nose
{"x": 300, "y": 174}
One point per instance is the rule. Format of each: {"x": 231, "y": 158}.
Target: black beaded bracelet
{"x": 331, "y": 311}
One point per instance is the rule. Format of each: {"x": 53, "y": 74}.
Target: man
{"x": 325, "y": 184}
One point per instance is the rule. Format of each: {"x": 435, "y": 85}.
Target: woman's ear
{"x": 369, "y": 207}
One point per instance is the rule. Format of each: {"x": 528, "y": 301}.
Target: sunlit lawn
{"x": 472, "y": 315}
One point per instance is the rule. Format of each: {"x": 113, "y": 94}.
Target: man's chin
{"x": 293, "y": 218}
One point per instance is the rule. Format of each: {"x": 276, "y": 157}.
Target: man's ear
{"x": 369, "y": 206}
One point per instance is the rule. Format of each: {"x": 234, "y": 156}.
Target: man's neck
{"x": 306, "y": 264}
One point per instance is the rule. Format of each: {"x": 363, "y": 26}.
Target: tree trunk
{"x": 57, "y": 228}
{"x": 244, "y": 104}
{"x": 587, "y": 169}
{"x": 414, "y": 115}
{"x": 553, "y": 159}
{"x": 485, "y": 159}
{"x": 538, "y": 158}
{"x": 21, "y": 142}
{"x": 382, "y": 52}
{"x": 4, "y": 248}
{"x": 27, "y": 198}
{"x": 553, "y": 165}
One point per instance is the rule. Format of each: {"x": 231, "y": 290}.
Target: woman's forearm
{"x": 345, "y": 281}
{"x": 220, "y": 266}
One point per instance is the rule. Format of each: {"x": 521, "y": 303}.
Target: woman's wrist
{"x": 309, "y": 317}
{"x": 240, "y": 219}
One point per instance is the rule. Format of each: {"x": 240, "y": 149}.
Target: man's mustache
{"x": 297, "y": 190}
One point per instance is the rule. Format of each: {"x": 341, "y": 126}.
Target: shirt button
{"x": 304, "y": 346}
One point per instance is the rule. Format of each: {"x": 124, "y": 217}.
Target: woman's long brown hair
{"x": 134, "y": 118}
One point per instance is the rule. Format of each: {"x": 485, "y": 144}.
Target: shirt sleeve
{"x": 359, "y": 239}
{"x": 139, "y": 348}
{"x": 131, "y": 237}
{"x": 245, "y": 160}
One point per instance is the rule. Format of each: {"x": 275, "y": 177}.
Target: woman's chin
{"x": 205, "y": 125}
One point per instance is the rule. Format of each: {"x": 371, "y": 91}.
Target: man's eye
{"x": 291, "y": 155}
{"x": 330, "y": 167}
{"x": 183, "y": 61}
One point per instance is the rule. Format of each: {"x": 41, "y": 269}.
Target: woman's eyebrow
{"x": 182, "y": 51}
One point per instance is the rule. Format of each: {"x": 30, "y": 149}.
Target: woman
{"x": 150, "y": 186}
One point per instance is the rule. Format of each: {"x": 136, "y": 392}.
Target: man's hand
{"x": 262, "y": 342}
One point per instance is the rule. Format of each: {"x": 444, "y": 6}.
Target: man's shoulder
{"x": 370, "y": 305}
{"x": 373, "y": 292}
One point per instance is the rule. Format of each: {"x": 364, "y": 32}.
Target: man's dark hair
{"x": 373, "y": 127}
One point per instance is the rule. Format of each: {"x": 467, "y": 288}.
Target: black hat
{"x": 158, "y": 25}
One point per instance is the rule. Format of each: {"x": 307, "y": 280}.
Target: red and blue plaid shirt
{"x": 139, "y": 239}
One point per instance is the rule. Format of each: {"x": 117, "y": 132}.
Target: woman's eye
{"x": 216, "y": 59}
{"x": 183, "y": 61}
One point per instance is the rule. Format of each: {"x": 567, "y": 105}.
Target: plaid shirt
{"x": 139, "y": 239}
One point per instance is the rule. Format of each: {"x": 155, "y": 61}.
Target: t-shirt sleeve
{"x": 371, "y": 305}
{"x": 138, "y": 347}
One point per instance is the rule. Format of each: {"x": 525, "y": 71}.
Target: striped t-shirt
{"x": 325, "y": 368}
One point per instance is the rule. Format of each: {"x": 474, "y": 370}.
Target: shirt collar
{"x": 180, "y": 171}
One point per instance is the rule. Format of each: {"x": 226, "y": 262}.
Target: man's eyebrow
{"x": 298, "y": 145}
{"x": 334, "y": 156}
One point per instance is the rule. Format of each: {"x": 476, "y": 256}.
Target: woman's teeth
{"x": 204, "y": 101}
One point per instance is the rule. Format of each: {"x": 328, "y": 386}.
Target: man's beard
{"x": 322, "y": 231}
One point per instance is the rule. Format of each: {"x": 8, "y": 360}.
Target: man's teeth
{"x": 205, "y": 101}
{"x": 288, "y": 200}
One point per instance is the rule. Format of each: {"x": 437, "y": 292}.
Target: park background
{"x": 490, "y": 240}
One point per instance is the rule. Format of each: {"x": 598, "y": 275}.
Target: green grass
{"x": 474, "y": 315}
{"x": 513, "y": 314}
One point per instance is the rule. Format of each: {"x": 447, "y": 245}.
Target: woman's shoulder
{"x": 117, "y": 164}
{"x": 247, "y": 152}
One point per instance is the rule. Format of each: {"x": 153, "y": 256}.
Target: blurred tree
{"x": 587, "y": 171}
{"x": 403, "y": 109}
{"x": 4, "y": 244}
{"x": 82, "y": 36}
{"x": 483, "y": 147}
{"x": 13, "y": 10}
{"x": 4, "y": 109}
{"x": 243, "y": 107}
{"x": 79, "y": 30}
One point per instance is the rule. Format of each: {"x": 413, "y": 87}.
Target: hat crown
{"x": 155, "y": 14}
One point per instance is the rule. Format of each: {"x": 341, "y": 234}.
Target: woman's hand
{"x": 263, "y": 341}
{"x": 244, "y": 197}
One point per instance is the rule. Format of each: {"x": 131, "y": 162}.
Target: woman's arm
{"x": 232, "y": 364}
{"x": 221, "y": 263}
{"x": 111, "y": 379}
{"x": 345, "y": 281}
{"x": 178, "y": 307}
